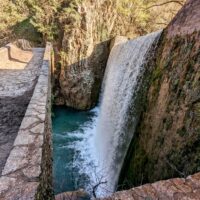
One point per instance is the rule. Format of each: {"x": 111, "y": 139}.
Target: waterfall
{"x": 120, "y": 109}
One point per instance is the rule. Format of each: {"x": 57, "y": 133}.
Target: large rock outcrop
{"x": 167, "y": 140}
{"x": 84, "y": 55}
{"x": 84, "y": 50}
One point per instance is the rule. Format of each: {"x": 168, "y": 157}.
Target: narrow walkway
{"x": 17, "y": 80}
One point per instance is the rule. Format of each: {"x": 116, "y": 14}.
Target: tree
{"x": 43, "y": 16}
{"x": 50, "y": 17}
{"x": 11, "y": 13}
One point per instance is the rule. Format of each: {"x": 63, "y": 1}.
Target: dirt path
{"x": 16, "y": 88}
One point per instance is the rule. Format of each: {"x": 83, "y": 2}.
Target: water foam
{"x": 105, "y": 139}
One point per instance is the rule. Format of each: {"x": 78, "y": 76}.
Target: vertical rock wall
{"x": 168, "y": 137}
{"x": 84, "y": 53}
{"x": 84, "y": 56}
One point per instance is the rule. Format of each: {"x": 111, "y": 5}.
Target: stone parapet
{"x": 28, "y": 169}
{"x": 172, "y": 189}
{"x": 14, "y": 58}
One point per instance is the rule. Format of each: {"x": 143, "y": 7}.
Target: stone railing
{"x": 13, "y": 57}
{"x": 172, "y": 189}
{"x": 28, "y": 170}
{"x": 4, "y": 54}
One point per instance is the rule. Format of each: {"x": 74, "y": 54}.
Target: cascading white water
{"x": 104, "y": 140}
{"x": 124, "y": 70}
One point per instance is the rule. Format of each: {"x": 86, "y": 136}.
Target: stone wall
{"x": 172, "y": 189}
{"x": 28, "y": 169}
{"x": 13, "y": 57}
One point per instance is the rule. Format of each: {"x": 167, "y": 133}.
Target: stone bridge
{"x": 25, "y": 123}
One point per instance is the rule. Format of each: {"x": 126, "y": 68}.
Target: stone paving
{"x": 15, "y": 82}
{"x": 27, "y": 172}
{"x": 16, "y": 88}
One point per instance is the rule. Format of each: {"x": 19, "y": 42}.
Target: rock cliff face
{"x": 83, "y": 45}
{"x": 167, "y": 140}
{"x": 84, "y": 53}
{"x": 83, "y": 56}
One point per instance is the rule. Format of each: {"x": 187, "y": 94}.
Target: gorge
{"x": 106, "y": 138}
{"x": 162, "y": 146}
{"x": 124, "y": 111}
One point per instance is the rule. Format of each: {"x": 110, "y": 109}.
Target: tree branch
{"x": 162, "y": 23}
{"x": 175, "y": 168}
{"x": 96, "y": 186}
{"x": 162, "y": 4}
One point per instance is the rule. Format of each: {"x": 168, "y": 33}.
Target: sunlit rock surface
{"x": 84, "y": 53}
